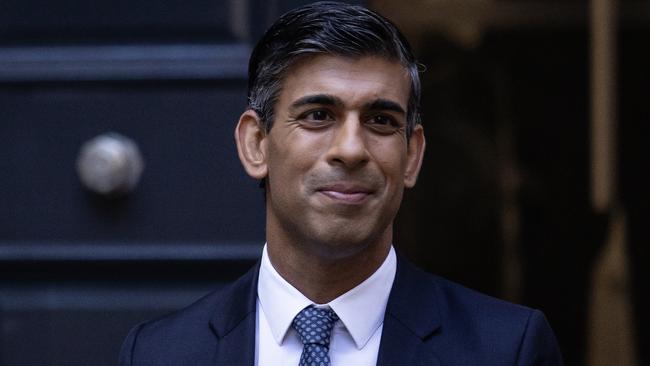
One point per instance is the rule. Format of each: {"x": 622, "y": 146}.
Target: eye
{"x": 316, "y": 118}
{"x": 318, "y": 115}
{"x": 383, "y": 120}
{"x": 383, "y": 123}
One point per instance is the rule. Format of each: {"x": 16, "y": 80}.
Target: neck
{"x": 324, "y": 278}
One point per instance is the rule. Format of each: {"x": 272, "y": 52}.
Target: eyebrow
{"x": 323, "y": 99}
{"x": 385, "y": 105}
{"x": 379, "y": 104}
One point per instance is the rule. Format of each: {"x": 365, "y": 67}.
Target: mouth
{"x": 345, "y": 193}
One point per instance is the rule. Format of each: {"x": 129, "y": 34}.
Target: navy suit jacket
{"x": 428, "y": 321}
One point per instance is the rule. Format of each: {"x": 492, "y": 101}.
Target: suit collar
{"x": 233, "y": 322}
{"x": 412, "y": 318}
{"x": 237, "y": 302}
{"x": 413, "y": 300}
{"x": 406, "y": 327}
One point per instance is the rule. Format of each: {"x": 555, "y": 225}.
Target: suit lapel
{"x": 233, "y": 322}
{"x": 411, "y": 321}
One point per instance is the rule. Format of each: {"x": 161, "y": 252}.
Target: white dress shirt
{"x": 355, "y": 337}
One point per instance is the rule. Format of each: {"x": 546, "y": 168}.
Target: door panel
{"x": 78, "y": 269}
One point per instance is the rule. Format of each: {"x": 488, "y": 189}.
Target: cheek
{"x": 391, "y": 159}
{"x": 290, "y": 161}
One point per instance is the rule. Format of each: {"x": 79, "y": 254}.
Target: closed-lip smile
{"x": 345, "y": 192}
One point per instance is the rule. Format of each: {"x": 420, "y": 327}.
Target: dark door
{"x": 79, "y": 269}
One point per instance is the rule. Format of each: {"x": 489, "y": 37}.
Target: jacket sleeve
{"x": 538, "y": 345}
{"x": 128, "y": 346}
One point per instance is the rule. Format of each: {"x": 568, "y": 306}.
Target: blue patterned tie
{"x": 314, "y": 326}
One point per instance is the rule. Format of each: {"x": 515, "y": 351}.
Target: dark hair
{"x": 331, "y": 28}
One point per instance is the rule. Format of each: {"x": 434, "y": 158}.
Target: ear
{"x": 415, "y": 154}
{"x": 251, "y": 144}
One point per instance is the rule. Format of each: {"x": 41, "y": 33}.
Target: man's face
{"x": 337, "y": 155}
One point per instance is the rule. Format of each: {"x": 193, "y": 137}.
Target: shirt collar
{"x": 361, "y": 309}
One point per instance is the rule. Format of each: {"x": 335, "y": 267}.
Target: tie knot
{"x": 314, "y": 325}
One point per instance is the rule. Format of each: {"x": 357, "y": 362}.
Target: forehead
{"x": 353, "y": 80}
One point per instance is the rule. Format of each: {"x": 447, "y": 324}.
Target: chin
{"x": 337, "y": 243}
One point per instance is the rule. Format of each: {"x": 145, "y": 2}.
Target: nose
{"x": 348, "y": 147}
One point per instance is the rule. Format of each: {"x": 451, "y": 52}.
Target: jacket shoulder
{"x": 190, "y": 333}
{"x": 460, "y": 302}
{"x": 499, "y": 332}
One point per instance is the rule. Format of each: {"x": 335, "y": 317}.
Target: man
{"x": 332, "y": 131}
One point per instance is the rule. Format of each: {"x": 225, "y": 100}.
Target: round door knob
{"x": 110, "y": 164}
